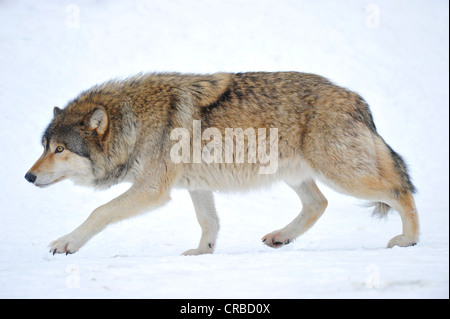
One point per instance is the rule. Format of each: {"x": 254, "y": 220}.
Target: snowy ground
{"x": 394, "y": 53}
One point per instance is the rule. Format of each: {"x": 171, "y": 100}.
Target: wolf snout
{"x": 30, "y": 177}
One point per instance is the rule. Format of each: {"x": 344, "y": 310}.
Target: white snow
{"x": 394, "y": 53}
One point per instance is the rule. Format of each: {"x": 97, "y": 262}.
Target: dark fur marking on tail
{"x": 402, "y": 168}
{"x": 364, "y": 114}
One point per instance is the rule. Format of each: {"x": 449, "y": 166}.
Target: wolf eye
{"x": 59, "y": 149}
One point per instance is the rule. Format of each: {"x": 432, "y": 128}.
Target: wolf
{"x": 123, "y": 130}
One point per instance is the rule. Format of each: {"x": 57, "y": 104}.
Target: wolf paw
{"x": 196, "y": 252}
{"x": 276, "y": 239}
{"x": 200, "y": 251}
{"x": 401, "y": 241}
{"x": 66, "y": 244}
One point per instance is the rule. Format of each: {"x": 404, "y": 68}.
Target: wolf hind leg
{"x": 207, "y": 218}
{"x": 401, "y": 201}
{"x": 406, "y": 208}
{"x": 379, "y": 175}
{"x": 314, "y": 204}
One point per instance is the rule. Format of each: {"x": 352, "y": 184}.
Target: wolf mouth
{"x": 43, "y": 185}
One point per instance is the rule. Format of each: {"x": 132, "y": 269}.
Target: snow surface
{"x": 394, "y": 53}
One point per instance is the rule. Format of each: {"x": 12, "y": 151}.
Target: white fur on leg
{"x": 208, "y": 220}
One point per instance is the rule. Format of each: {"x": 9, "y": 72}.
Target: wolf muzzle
{"x": 30, "y": 177}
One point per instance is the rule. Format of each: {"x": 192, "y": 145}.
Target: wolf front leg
{"x": 136, "y": 200}
{"x": 208, "y": 220}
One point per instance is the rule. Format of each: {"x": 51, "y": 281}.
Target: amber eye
{"x": 59, "y": 149}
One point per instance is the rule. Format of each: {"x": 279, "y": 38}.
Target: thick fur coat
{"x": 222, "y": 132}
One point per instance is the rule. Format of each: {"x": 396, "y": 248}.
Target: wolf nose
{"x": 30, "y": 177}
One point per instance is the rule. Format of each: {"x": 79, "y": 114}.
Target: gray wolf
{"x": 143, "y": 130}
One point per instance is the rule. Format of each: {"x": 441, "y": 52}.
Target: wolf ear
{"x": 56, "y": 111}
{"x": 98, "y": 120}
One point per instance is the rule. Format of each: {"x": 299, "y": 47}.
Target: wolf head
{"x": 70, "y": 141}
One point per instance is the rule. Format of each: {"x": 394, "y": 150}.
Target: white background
{"x": 394, "y": 53}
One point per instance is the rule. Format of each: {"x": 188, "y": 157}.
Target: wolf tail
{"x": 380, "y": 210}
{"x": 405, "y": 185}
